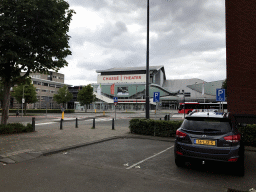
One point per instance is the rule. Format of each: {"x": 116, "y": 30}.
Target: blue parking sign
{"x": 220, "y": 94}
{"x": 156, "y": 97}
{"x": 115, "y": 99}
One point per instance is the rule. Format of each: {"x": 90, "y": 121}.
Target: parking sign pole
{"x": 115, "y": 111}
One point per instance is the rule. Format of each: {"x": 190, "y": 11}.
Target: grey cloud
{"x": 95, "y": 4}
{"x": 129, "y": 60}
{"x": 180, "y": 28}
{"x": 104, "y": 34}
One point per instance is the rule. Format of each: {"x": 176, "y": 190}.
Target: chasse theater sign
{"x": 122, "y": 78}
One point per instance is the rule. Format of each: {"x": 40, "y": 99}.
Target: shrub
{"x": 154, "y": 127}
{"x": 249, "y": 134}
{"x": 168, "y": 129}
{"x": 11, "y": 128}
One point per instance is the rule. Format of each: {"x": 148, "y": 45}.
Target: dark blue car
{"x": 209, "y": 136}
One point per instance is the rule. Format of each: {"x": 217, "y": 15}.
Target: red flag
{"x": 112, "y": 89}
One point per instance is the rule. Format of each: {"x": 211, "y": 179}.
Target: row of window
{"x": 43, "y": 90}
{"x": 44, "y": 98}
{"x": 46, "y": 84}
{"x": 49, "y": 76}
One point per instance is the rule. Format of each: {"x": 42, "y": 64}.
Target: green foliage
{"x": 224, "y": 84}
{"x": 249, "y": 134}
{"x": 34, "y": 38}
{"x": 29, "y": 93}
{"x": 34, "y": 35}
{"x": 63, "y": 95}
{"x": 12, "y": 128}
{"x": 154, "y": 127}
{"x": 85, "y": 96}
{"x": 168, "y": 129}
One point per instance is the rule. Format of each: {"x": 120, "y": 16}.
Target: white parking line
{"x": 149, "y": 158}
{"x": 45, "y": 123}
{"x": 99, "y": 119}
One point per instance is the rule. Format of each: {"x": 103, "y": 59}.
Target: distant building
{"x": 128, "y": 85}
{"x": 46, "y": 86}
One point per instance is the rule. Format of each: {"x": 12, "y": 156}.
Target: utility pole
{"x": 147, "y": 65}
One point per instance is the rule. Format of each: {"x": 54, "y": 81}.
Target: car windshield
{"x": 206, "y": 125}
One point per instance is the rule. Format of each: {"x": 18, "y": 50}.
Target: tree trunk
{"x": 85, "y": 108}
{"x": 25, "y": 107}
{"x": 6, "y": 102}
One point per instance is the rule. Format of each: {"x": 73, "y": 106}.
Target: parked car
{"x": 209, "y": 136}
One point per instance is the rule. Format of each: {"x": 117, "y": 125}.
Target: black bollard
{"x": 113, "y": 124}
{"x": 61, "y": 120}
{"x": 93, "y": 123}
{"x": 76, "y": 123}
{"x": 33, "y": 124}
{"x": 160, "y": 119}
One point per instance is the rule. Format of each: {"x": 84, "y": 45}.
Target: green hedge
{"x": 154, "y": 127}
{"x": 168, "y": 129}
{"x": 249, "y": 134}
{"x": 11, "y": 128}
{"x": 41, "y": 111}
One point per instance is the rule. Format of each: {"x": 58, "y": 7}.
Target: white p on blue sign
{"x": 220, "y": 94}
{"x": 115, "y": 100}
{"x": 156, "y": 97}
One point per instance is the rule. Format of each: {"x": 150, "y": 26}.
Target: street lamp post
{"x": 147, "y": 65}
{"x": 23, "y": 100}
{"x": 184, "y": 106}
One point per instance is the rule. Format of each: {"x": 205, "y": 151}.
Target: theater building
{"x": 128, "y": 85}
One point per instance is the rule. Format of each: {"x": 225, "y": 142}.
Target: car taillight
{"x": 179, "y": 153}
{"x": 233, "y": 138}
{"x": 233, "y": 159}
{"x": 180, "y": 134}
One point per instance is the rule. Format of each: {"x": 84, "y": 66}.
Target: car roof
{"x": 208, "y": 114}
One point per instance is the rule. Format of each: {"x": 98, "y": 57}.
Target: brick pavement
{"x": 20, "y": 147}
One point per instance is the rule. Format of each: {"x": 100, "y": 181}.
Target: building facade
{"x": 46, "y": 86}
{"x": 128, "y": 86}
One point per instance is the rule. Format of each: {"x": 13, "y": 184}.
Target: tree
{"x": 224, "y": 86}
{"x": 1, "y": 93}
{"x": 33, "y": 38}
{"x": 63, "y": 95}
{"x": 85, "y": 96}
{"x": 29, "y": 93}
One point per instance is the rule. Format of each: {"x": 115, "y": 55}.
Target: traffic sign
{"x": 156, "y": 97}
{"x": 115, "y": 100}
{"x": 220, "y": 94}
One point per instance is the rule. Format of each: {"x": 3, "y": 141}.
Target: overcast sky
{"x": 187, "y": 37}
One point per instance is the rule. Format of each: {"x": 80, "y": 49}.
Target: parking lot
{"x": 126, "y": 164}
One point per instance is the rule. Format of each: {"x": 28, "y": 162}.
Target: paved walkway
{"x": 20, "y": 147}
